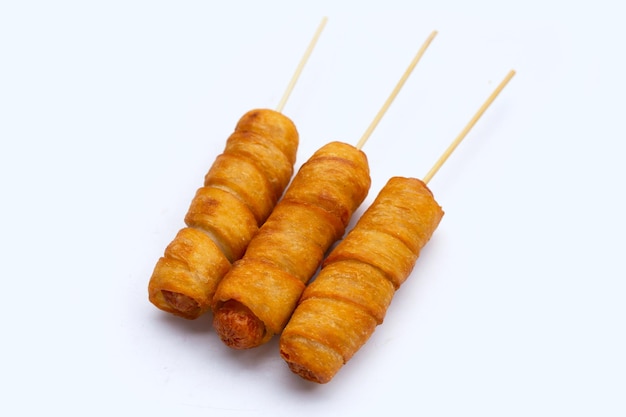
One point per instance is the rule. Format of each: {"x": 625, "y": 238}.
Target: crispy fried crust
{"x": 335, "y": 179}
{"x": 223, "y": 217}
{"x": 240, "y": 190}
{"x": 340, "y": 310}
{"x": 241, "y": 177}
{"x": 263, "y": 292}
{"x": 289, "y": 248}
{"x": 182, "y": 282}
{"x": 370, "y": 289}
{"x": 274, "y": 127}
{"x": 295, "y": 238}
{"x": 274, "y": 165}
{"x": 310, "y": 359}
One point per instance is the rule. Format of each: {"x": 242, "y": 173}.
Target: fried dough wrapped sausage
{"x": 341, "y": 308}
{"x": 257, "y": 296}
{"x": 240, "y": 190}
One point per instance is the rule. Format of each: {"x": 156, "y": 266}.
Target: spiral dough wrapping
{"x": 257, "y": 296}
{"x": 240, "y": 190}
{"x": 341, "y": 308}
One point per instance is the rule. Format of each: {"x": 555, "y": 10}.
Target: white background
{"x": 111, "y": 112}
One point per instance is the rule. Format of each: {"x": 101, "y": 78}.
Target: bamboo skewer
{"x": 395, "y": 91}
{"x": 300, "y": 67}
{"x": 442, "y": 159}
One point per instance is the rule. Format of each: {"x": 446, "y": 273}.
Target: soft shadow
{"x": 296, "y": 384}
{"x": 202, "y": 324}
{"x": 246, "y": 358}
{"x": 260, "y": 363}
{"x": 207, "y": 343}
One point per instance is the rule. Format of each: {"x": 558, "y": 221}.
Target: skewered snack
{"x": 257, "y": 296}
{"x": 341, "y": 308}
{"x": 290, "y": 246}
{"x": 240, "y": 190}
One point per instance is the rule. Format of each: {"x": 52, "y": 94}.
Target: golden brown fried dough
{"x": 289, "y": 248}
{"x": 339, "y": 311}
{"x": 182, "y": 282}
{"x": 225, "y": 218}
{"x": 240, "y": 190}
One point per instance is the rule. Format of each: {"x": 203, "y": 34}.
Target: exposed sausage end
{"x": 237, "y": 326}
